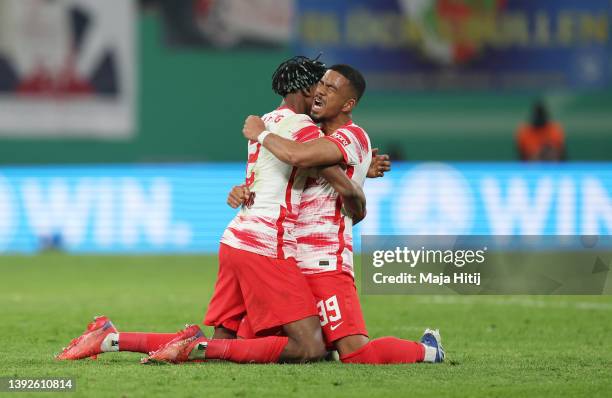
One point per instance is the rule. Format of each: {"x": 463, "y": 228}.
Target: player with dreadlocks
{"x": 324, "y": 233}
{"x": 258, "y": 275}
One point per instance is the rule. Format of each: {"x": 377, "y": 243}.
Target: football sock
{"x": 387, "y": 350}
{"x": 136, "y": 342}
{"x": 260, "y": 350}
{"x": 430, "y": 354}
{"x": 110, "y": 343}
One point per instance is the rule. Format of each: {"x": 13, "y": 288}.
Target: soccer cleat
{"x": 180, "y": 348}
{"x": 432, "y": 338}
{"x": 89, "y": 343}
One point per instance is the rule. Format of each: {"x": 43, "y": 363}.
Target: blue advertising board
{"x": 452, "y": 44}
{"x": 182, "y": 208}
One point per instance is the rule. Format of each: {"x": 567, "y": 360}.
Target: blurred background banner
{"x": 491, "y": 199}
{"x": 183, "y": 94}
{"x": 116, "y": 209}
{"x": 67, "y": 68}
{"x": 227, "y": 23}
{"x": 132, "y": 97}
{"x": 182, "y": 208}
{"x": 467, "y": 44}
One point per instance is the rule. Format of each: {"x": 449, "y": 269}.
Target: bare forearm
{"x": 355, "y": 205}
{"x": 319, "y": 152}
{"x": 351, "y": 193}
{"x": 285, "y": 150}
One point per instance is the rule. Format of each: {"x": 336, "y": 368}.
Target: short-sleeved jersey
{"x": 265, "y": 223}
{"x": 324, "y": 233}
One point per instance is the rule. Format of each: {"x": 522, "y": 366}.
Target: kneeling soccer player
{"x": 324, "y": 232}
{"x": 258, "y": 275}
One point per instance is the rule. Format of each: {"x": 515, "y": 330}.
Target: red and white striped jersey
{"x": 324, "y": 233}
{"x": 265, "y": 224}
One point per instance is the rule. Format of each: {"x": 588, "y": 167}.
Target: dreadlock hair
{"x": 297, "y": 73}
{"x": 354, "y": 77}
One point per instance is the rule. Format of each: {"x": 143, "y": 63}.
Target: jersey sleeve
{"x": 353, "y": 144}
{"x": 298, "y": 127}
{"x": 304, "y": 129}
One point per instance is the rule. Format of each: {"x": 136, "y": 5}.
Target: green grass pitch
{"x": 497, "y": 346}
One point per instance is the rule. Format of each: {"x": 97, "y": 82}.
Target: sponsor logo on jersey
{"x": 342, "y": 138}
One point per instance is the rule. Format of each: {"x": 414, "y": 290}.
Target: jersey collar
{"x": 280, "y": 108}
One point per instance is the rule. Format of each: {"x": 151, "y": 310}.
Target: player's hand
{"x": 253, "y": 126}
{"x": 238, "y": 195}
{"x": 380, "y": 164}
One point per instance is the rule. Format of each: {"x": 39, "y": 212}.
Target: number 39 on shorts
{"x": 329, "y": 310}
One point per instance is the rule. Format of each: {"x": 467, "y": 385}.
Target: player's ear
{"x": 349, "y": 105}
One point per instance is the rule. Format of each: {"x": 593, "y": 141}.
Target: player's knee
{"x": 306, "y": 351}
{"x": 313, "y": 352}
{"x": 306, "y": 340}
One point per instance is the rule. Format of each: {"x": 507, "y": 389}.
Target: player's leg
{"x": 301, "y": 341}
{"x": 225, "y": 311}
{"x": 349, "y": 344}
{"x": 391, "y": 350}
{"x": 192, "y": 345}
{"x": 224, "y": 333}
{"x": 226, "y": 308}
{"x": 305, "y": 341}
{"x": 276, "y": 296}
{"x": 245, "y": 330}
{"x": 101, "y": 336}
{"x": 384, "y": 350}
{"x": 136, "y": 341}
{"x": 295, "y": 350}
{"x": 339, "y": 311}
{"x": 343, "y": 324}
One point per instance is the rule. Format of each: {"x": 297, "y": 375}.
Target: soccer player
{"x": 324, "y": 234}
{"x": 258, "y": 275}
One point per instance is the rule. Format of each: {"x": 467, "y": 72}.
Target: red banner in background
{"x": 67, "y": 68}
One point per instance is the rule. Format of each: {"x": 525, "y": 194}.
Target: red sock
{"x": 262, "y": 350}
{"x": 387, "y": 350}
{"x": 143, "y": 342}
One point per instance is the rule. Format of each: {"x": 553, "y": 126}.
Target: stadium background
{"x": 185, "y": 92}
{"x": 129, "y": 144}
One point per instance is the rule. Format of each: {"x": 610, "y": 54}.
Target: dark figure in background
{"x": 395, "y": 151}
{"x": 541, "y": 139}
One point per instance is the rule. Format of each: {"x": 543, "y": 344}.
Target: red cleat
{"x": 89, "y": 343}
{"x": 180, "y": 348}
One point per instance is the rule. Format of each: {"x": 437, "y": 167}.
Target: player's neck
{"x": 294, "y": 102}
{"x": 329, "y": 126}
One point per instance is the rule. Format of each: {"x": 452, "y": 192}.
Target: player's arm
{"x": 351, "y": 193}
{"x": 318, "y": 152}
